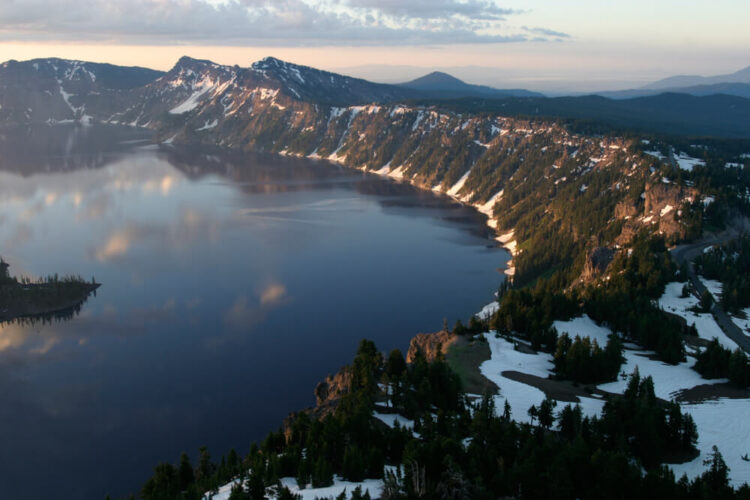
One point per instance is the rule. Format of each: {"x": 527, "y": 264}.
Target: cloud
{"x": 264, "y": 22}
{"x": 431, "y": 9}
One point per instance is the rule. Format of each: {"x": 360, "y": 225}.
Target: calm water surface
{"x": 231, "y": 286}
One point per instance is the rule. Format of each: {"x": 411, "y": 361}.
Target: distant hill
{"x": 444, "y": 85}
{"x": 735, "y": 84}
{"x": 673, "y": 82}
{"x": 668, "y": 113}
{"x": 734, "y": 89}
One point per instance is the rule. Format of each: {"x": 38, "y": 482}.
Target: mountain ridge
{"x": 71, "y": 95}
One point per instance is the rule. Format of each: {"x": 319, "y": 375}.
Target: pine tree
{"x": 322, "y": 475}
{"x": 717, "y": 475}
{"x": 185, "y": 472}
{"x": 506, "y": 411}
{"x": 546, "y": 414}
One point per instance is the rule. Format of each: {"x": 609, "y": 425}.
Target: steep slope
{"x": 535, "y": 175}
{"x": 443, "y": 85}
{"x": 178, "y": 92}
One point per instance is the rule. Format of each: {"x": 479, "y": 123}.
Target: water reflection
{"x": 28, "y": 150}
{"x": 219, "y": 271}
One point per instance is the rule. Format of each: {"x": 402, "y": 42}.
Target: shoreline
{"x": 506, "y": 240}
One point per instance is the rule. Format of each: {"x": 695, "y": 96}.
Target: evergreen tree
{"x": 185, "y": 473}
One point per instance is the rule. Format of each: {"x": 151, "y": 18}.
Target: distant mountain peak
{"x": 270, "y": 62}
{"x": 440, "y": 82}
{"x": 189, "y": 62}
{"x": 438, "y": 77}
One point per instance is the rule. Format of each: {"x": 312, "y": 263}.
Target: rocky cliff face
{"x": 430, "y": 345}
{"x": 334, "y": 387}
{"x": 597, "y": 261}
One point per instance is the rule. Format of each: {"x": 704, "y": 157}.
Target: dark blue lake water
{"x": 230, "y": 286}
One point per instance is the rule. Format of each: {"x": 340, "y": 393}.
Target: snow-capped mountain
{"x": 59, "y": 90}
{"x": 316, "y": 85}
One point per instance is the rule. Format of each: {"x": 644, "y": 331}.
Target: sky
{"x": 539, "y": 44}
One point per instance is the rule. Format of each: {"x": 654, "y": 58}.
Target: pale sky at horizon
{"x": 540, "y": 44}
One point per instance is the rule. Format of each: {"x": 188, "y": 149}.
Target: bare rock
{"x": 430, "y": 344}
{"x": 334, "y": 387}
{"x": 625, "y": 209}
{"x": 597, "y": 261}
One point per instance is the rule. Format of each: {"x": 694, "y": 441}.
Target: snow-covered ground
{"x": 720, "y": 422}
{"x": 373, "y": 486}
{"x": 743, "y": 323}
{"x": 687, "y": 162}
{"x": 521, "y": 396}
{"x": 668, "y": 379}
{"x": 453, "y": 191}
{"x": 223, "y": 493}
{"x": 583, "y": 326}
{"x": 707, "y": 328}
{"x": 656, "y": 154}
{"x": 714, "y": 287}
{"x": 723, "y": 423}
{"x": 490, "y": 204}
{"x": 390, "y": 420}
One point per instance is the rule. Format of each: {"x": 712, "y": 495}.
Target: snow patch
{"x": 488, "y": 310}
{"x": 673, "y": 302}
{"x": 521, "y": 396}
{"x": 192, "y": 102}
{"x": 390, "y": 420}
{"x": 687, "y": 163}
{"x": 453, "y": 191}
{"x": 723, "y": 423}
{"x": 487, "y": 207}
{"x": 666, "y": 210}
{"x": 714, "y": 287}
{"x": 373, "y": 486}
{"x": 208, "y": 125}
{"x": 584, "y": 326}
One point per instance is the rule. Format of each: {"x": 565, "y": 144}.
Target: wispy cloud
{"x": 265, "y": 22}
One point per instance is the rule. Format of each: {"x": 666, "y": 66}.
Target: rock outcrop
{"x": 334, "y": 387}
{"x": 430, "y": 344}
{"x": 597, "y": 261}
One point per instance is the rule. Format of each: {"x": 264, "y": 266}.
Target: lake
{"x": 231, "y": 285}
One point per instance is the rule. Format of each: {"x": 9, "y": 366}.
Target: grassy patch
{"x": 464, "y": 357}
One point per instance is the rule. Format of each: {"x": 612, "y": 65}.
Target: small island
{"x": 48, "y": 296}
